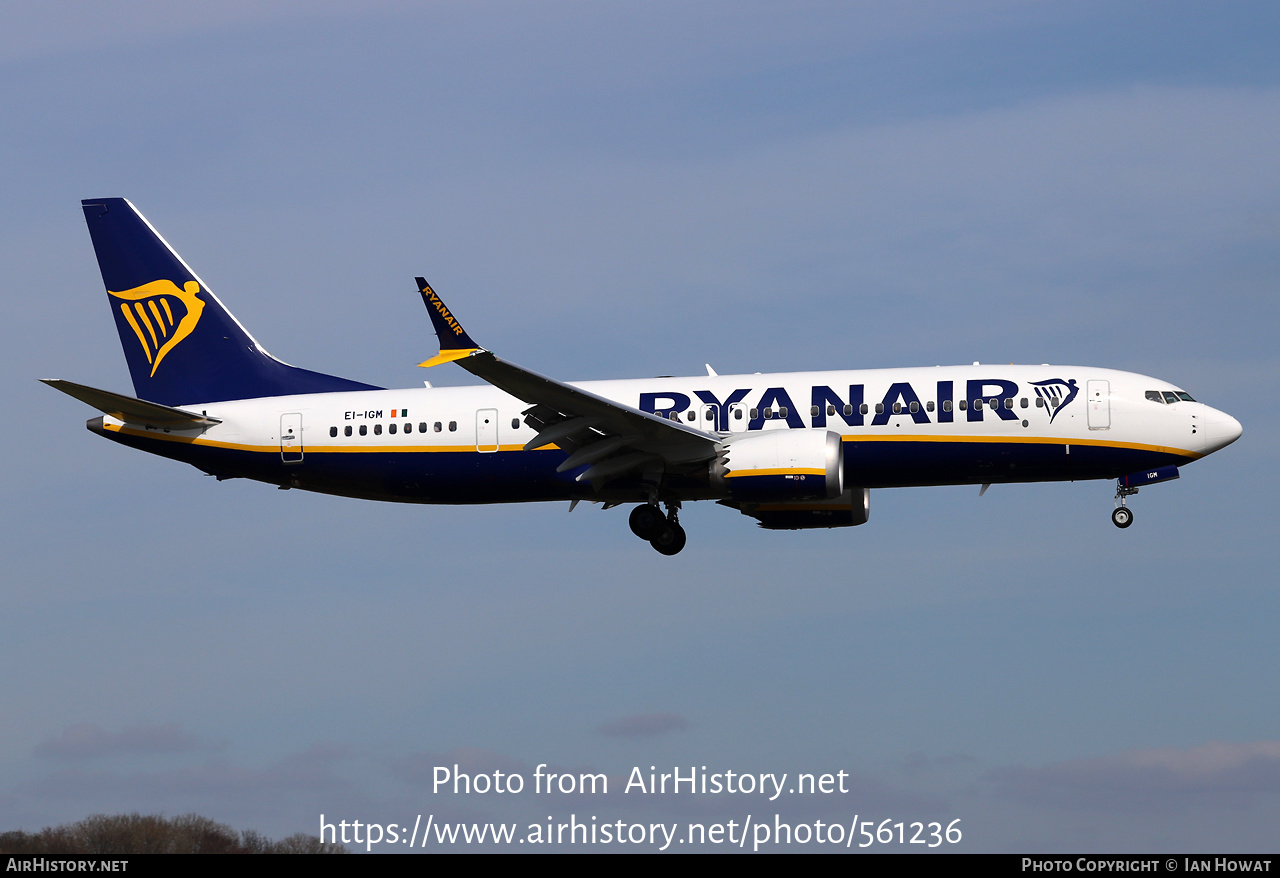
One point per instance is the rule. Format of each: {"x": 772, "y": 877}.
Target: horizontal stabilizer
{"x": 127, "y": 408}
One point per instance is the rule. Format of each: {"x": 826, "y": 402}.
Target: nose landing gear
{"x": 664, "y": 534}
{"x": 1122, "y": 515}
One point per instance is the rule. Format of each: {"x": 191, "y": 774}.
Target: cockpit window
{"x": 1154, "y": 396}
{"x": 1170, "y": 396}
{"x": 1185, "y": 397}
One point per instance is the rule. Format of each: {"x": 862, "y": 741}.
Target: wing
{"x": 610, "y": 438}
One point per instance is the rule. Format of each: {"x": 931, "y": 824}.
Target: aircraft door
{"x": 291, "y": 438}
{"x": 487, "y": 430}
{"x": 1099, "y": 404}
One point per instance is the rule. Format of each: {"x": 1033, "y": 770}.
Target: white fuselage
{"x": 914, "y": 426}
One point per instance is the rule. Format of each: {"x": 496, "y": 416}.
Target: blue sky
{"x": 615, "y": 192}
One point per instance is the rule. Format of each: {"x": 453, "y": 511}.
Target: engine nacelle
{"x": 851, "y": 508}
{"x": 781, "y": 465}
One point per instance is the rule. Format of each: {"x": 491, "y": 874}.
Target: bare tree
{"x": 115, "y": 834}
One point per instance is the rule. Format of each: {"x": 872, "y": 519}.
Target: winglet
{"x": 454, "y": 341}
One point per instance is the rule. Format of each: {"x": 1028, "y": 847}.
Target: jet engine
{"x": 851, "y": 508}
{"x": 780, "y": 465}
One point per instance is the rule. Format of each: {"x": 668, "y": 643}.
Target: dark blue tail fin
{"x": 181, "y": 344}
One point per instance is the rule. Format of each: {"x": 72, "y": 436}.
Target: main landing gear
{"x": 664, "y": 533}
{"x": 1122, "y": 516}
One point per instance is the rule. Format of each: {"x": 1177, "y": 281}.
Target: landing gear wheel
{"x": 645, "y": 520}
{"x": 669, "y": 539}
{"x": 1121, "y": 516}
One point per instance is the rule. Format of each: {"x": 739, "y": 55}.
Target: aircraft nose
{"x": 1220, "y": 430}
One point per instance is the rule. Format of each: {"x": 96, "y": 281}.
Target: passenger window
{"x": 392, "y": 429}
{"x": 813, "y": 410}
{"x": 333, "y": 431}
{"x": 453, "y": 426}
{"x": 897, "y": 408}
{"x": 1039, "y": 402}
{"x": 737, "y": 414}
{"x": 994, "y": 403}
{"x": 438, "y": 427}
{"x": 782, "y": 412}
{"x": 422, "y": 426}
{"x": 755, "y": 414}
{"x": 408, "y": 428}
{"x": 768, "y": 413}
{"x": 863, "y": 408}
{"x": 879, "y": 408}
{"x": 346, "y": 431}
{"x": 377, "y": 429}
{"x": 1008, "y": 402}
{"x": 977, "y": 405}
{"x": 364, "y": 429}
{"x": 964, "y": 405}
{"x": 848, "y": 410}
{"x": 946, "y": 405}
{"x": 515, "y": 423}
{"x": 1024, "y": 402}
{"x": 690, "y": 416}
{"x": 928, "y": 406}
{"x": 914, "y": 407}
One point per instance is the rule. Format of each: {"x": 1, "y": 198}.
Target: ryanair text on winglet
{"x": 444, "y": 312}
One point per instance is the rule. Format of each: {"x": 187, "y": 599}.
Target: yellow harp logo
{"x": 149, "y": 311}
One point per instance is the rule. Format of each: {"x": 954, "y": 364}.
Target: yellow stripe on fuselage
{"x": 309, "y": 449}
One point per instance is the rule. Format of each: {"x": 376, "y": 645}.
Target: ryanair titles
{"x": 977, "y": 400}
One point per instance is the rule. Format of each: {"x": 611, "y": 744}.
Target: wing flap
{"x": 606, "y": 415}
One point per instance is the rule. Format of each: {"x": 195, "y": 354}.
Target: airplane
{"x": 790, "y": 450}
